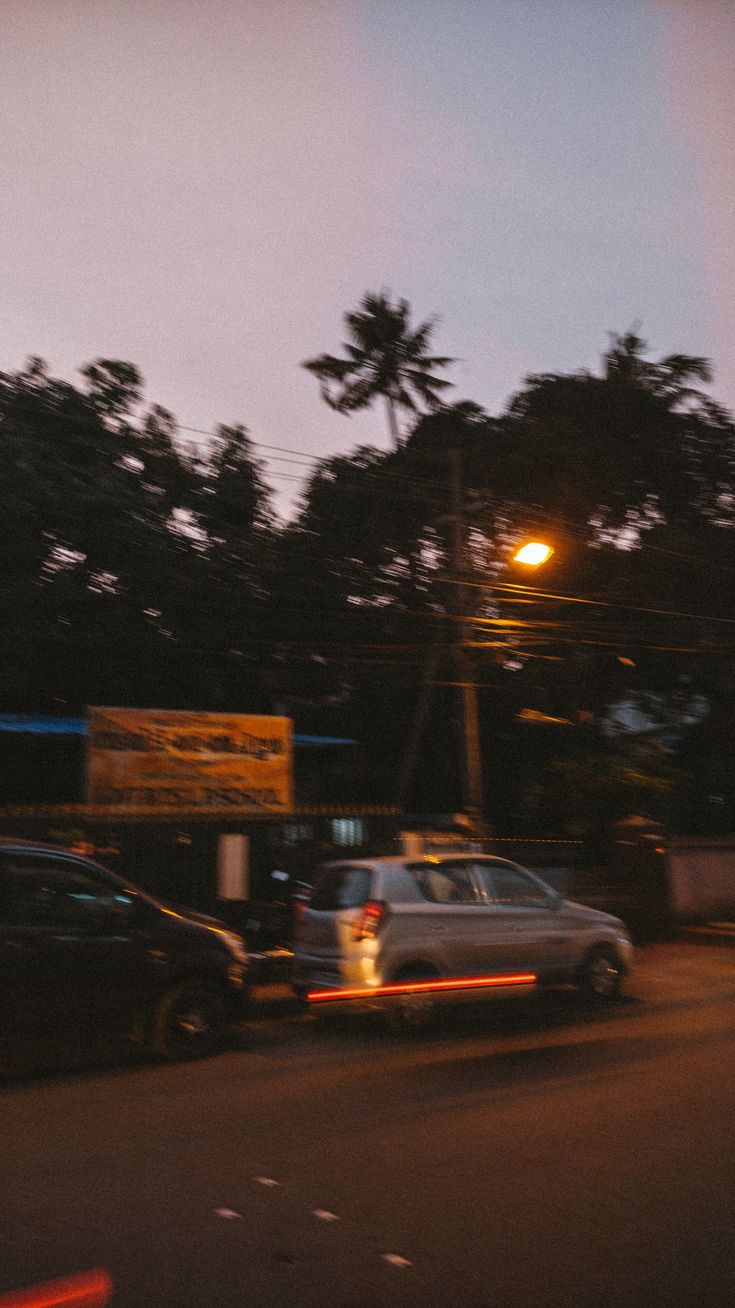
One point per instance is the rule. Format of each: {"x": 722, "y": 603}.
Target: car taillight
{"x": 372, "y": 919}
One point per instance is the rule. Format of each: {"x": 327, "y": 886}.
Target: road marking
{"x": 265, "y": 1180}
{"x": 228, "y": 1214}
{"x": 396, "y": 1260}
{"x": 324, "y": 1215}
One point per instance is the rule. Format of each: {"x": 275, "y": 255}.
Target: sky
{"x": 205, "y": 187}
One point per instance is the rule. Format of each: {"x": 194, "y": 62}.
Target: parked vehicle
{"x": 90, "y": 965}
{"x": 369, "y": 923}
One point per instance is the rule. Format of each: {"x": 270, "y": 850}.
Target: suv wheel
{"x": 413, "y": 1013}
{"x": 601, "y": 974}
{"x": 189, "y": 1021}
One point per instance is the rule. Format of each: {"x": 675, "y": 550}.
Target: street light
{"x": 533, "y": 553}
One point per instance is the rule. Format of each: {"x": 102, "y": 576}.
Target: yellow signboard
{"x": 158, "y": 759}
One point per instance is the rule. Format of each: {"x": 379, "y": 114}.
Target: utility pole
{"x": 418, "y": 725}
{"x": 532, "y": 554}
{"x": 459, "y": 599}
{"x": 472, "y": 792}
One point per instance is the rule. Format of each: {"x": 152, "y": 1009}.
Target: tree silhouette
{"x": 623, "y": 451}
{"x": 385, "y": 356}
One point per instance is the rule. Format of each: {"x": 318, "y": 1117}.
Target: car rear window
{"x": 341, "y": 887}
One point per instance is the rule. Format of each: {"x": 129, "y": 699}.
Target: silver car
{"x": 405, "y": 930}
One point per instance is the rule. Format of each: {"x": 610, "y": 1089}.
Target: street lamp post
{"x": 532, "y": 554}
{"x": 472, "y": 759}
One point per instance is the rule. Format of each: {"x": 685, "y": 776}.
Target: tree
{"x": 114, "y": 387}
{"x": 222, "y": 610}
{"x": 129, "y": 572}
{"x": 385, "y": 357}
{"x": 232, "y": 503}
{"x": 622, "y": 452}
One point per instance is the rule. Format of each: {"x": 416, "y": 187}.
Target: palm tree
{"x": 385, "y": 356}
{"x": 667, "y": 380}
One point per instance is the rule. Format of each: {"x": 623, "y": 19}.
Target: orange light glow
{"x": 85, "y": 1290}
{"x": 533, "y": 553}
{"x": 420, "y": 987}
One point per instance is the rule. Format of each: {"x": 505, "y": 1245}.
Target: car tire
{"x": 189, "y": 1021}
{"x": 600, "y": 976}
{"x": 411, "y": 1014}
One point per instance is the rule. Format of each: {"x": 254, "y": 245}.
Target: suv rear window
{"x": 341, "y": 887}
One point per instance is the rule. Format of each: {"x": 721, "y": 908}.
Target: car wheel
{"x": 189, "y": 1021}
{"x": 601, "y": 974}
{"x": 413, "y": 1013}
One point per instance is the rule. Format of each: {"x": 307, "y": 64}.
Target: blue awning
{"x": 322, "y": 740}
{"x": 34, "y": 724}
{"x": 41, "y": 725}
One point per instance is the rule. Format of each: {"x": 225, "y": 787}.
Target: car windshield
{"x": 341, "y": 887}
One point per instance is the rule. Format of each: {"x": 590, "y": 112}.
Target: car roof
{"x": 41, "y": 846}
{"x": 45, "y": 847}
{"x": 15, "y": 842}
{"x": 411, "y": 860}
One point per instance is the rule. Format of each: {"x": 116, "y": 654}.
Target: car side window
{"x": 41, "y": 890}
{"x": 507, "y": 884}
{"x": 446, "y": 883}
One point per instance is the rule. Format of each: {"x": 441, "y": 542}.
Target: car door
{"x": 453, "y": 927}
{"x": 71, "y": 942}
{"x": 525, "y": 930}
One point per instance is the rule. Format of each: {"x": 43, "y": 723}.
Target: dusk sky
{"x": 203, "y": 187}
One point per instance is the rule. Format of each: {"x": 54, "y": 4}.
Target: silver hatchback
{"x": 407, "y": 929}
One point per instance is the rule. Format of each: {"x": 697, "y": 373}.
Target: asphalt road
{"x": 529, "y": 1152}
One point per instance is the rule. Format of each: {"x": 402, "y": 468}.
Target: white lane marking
{"x": 228, "y": 1214}
{"x": 265, "y": 1180}
{"x": 396, "y": 1260}
{"x": 324, "y": 1215}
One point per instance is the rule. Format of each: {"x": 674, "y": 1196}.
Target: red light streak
{"x": 423, "y": 987}
{"x": 85, "y": 1290}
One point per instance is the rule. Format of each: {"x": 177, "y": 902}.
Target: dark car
{"x": 90, "y": 966}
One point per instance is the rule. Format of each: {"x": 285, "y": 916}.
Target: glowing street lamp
{"x": 534, "y": 553}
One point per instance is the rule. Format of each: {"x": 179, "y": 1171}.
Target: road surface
{"x": 532, "y": 1152}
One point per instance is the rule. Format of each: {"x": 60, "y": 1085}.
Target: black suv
{"x": 90, "y": 965}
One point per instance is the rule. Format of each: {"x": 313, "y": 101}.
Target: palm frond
{"x": 420, "y": 378}
{"x": 681, "y": 367}
{"x": 356, "y": 396}
{"x": 328, "y": 368}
